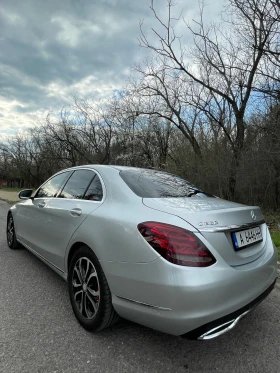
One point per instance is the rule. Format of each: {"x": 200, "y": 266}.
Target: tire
{"x": 89, "y": 292}
{"x": 11, "y": 233}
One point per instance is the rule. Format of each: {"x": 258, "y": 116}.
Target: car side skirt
{"x": 49, "y": 264}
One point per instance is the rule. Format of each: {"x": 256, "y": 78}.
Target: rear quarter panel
{"x": 111, "y": 231}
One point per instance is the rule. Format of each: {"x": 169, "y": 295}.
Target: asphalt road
{"x": 39, "y": 333}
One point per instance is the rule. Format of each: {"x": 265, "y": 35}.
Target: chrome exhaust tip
{"x": 221, "y": 329}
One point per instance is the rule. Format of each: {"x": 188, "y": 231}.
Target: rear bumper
{"x": 226, "y": 323}
{"x": 179, "y": 300}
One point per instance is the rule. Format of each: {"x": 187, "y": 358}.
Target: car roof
{"x": 116, "y": 167}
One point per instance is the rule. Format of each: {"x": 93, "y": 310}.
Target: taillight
{"x": 176, "y": 245}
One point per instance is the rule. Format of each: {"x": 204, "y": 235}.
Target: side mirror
{"x": 25, "y": 194}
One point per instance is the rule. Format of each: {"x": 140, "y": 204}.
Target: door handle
{"x": 76, "y": 212}
{"x": 41, "y": 204}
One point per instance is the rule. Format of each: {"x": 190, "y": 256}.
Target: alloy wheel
{"x": 86, "y": 289}
{"x": 10, "y": 231}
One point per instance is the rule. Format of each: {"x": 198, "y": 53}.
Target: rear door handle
{"x": 41, "y": 204}
{"x": 76, "y": 212}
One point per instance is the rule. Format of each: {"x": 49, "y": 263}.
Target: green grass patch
{"x": 276, "y": 239}
{"x": 273, "y": 221}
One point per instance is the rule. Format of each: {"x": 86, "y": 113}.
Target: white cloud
{"x": 69, "y": 32}
{"x": 52, "y": 50}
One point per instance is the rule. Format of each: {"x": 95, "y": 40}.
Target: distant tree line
{"x": 209, "y": 112}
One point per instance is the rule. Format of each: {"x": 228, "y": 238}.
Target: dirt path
{"x": 9, "y": 196}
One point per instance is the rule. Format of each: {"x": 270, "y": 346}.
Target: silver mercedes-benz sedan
{"x": 147, "y": 246}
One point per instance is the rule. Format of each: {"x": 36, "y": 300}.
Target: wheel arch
{"x": 73, "y": 249}
{"x": 11, "y": 211}
{"x": 8, "y": 214}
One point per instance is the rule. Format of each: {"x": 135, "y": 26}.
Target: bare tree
{"x": 94, "y": 124}
{"x": 162, "y": 93}
{"x": 224, "y": 61}
{"x": 144, "y": 137}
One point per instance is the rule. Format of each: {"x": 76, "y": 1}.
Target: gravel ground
{"x": 9, "y": 196}
{"x": 39, "y": 333}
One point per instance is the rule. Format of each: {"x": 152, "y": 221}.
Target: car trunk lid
{"x": 217, "y": 220}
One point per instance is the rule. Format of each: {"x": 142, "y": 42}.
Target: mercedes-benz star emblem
{"x": 253, "y": 215}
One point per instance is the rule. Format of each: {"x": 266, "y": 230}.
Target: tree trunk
{"x": 234, "y": 166}
{"x": 237, "y": 153}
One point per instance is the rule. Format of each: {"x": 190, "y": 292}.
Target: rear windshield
{"x": 158, "y": 184}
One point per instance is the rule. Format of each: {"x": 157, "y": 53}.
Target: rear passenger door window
{"x": 77, "y": 185}
{"x": 94, "y": 191}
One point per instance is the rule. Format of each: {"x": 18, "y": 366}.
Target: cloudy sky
{"x": 51, "y": 50}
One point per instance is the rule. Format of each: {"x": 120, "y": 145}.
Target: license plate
{"x": 248, "y": 237}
